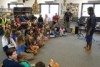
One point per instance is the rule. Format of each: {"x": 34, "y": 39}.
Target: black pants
{"x": 5, "y": 49}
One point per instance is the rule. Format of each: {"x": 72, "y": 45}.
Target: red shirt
{"x": 17, "y": 20}
{"x": 55, "y": 18}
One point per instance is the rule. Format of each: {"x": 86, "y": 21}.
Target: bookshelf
{"x": 22, "y": 10}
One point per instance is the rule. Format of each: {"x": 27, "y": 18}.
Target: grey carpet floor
{"x": 67, "y": 51}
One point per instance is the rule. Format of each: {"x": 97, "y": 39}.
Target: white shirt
{"x": 5, "y": 42}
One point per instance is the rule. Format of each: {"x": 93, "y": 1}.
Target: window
{"x": 97, "y": 10}
{"x": 44, "y": 10}
{"x": 84, "y": 10}
{"x": 49, "y": 0}
{"x": 53, "y": 9}
{"x": 12, "y": 5}
{"x": 49, "y": 9}
{"x": 20, "y": 5}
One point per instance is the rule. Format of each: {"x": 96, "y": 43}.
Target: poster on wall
{"x": 74, "y": 8}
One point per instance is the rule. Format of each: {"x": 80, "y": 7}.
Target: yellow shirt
{"x": 4, "y": 20}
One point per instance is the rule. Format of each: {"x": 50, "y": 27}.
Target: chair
{"x": 80, "y": 27}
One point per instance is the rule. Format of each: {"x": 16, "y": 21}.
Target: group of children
{"x": 28, "y": 36}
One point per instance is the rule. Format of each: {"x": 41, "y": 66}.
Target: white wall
{"x": 80, "y": 3}
{"x": 29, "y": 3}
{"x": 4, "y": 3}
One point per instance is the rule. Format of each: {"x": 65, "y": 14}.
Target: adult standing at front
{"x": 67, "y": 17}
{"x": 90, "y": 29}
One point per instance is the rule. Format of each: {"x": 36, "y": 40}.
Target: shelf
{"x": 22, "y": 11}
{"x": 6, "y": 12}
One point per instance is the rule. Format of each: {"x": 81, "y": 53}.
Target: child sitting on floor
{"x": 30, "y": 43}
{"x": 40, "y": 37}
{"x": 61, "y": 30}
{"x": 22, "y": 61}
{"x": 40, "y": 64}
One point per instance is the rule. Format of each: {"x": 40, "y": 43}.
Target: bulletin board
{"x": 74, "y": 8}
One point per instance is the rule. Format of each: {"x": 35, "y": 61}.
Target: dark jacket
{"x": 40, "y": 19}
{"x": 91, "y": 22}
{"x": 11, "y": 63}
{"x": 67, "y": 16}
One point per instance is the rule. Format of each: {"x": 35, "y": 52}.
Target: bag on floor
{"x": 69, "y": 30}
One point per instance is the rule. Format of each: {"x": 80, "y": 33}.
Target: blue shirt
{"x": 20, "y": 48}
{"x": 22, "y": 19}
{"x": 14, "y": 37}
